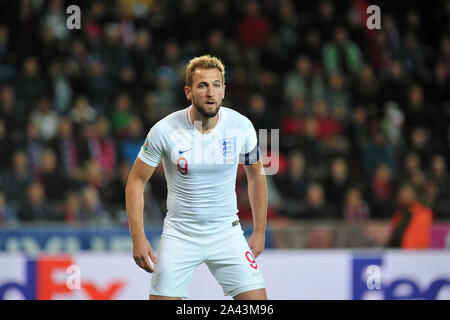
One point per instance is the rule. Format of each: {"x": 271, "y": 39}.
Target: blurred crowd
{"x": 360, "y": 111}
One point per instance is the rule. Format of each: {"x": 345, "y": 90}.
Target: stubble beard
{"x": 202, "y": 109}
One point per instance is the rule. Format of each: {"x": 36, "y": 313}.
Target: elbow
{"x": 133, "y": 186}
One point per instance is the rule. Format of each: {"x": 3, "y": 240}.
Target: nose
{"x": 210, "y": 91}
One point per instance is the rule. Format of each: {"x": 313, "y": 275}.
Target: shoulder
{"x": 236, "y": 119}
{"x": 172, "y": 120}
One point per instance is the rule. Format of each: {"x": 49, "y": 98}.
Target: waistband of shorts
{"x": 183, "y": 228}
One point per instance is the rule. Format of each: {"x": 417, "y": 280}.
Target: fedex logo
{"x": 368, "y": 283}
{"x": 41, "y": 282}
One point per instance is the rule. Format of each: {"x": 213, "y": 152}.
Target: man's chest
{"x": 196, "y": 153}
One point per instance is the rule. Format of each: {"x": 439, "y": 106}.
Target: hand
{"x": 256, "y": 242}
{"x": 141, "y": 251}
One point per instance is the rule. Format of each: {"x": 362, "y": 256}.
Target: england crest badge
{"x": 227, "y": 146}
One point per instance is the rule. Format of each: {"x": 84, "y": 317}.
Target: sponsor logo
{"x": 43, "y": 281}
{"x": 368, "y": 272}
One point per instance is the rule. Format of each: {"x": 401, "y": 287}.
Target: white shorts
{"x": 225, "y": 251}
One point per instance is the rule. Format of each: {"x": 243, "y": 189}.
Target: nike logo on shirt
{"x": 183, "y": 151}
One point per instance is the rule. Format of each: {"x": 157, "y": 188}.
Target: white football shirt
{"x": 200, "y": 169}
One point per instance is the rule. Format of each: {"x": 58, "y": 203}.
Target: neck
{"x": 207, "y": 123}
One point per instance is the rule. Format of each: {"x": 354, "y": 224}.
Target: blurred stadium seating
{"x": 360, "y": 111}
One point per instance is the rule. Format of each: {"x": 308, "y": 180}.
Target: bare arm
{"x": 257, "y": 194}
{"x": 134, "y": 198}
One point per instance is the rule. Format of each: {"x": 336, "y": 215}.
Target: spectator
{"x": 253, "y": 28}
{"x": 15, "y": 181}
{"x": 419, "y": 142}
{"x": 355, "y": 209}
{"x": 55, "y": 20}
{"x": 6, "y": 146}
{"x": 259, "y": 114}
{"x": 149, "y": 111}
{"x": 71, "y": 208}
{"x": 166, "y": 83}
{"x": 33, "y": 144}
{"x": 103, "y": 146}
{"x": 312, "y": 47}
{"x": 439, "y": 175}
{"x": 143, "y": 58}
{"x": 289, "y": 27}
{"x": 358, "y": 134}
{"x": 418, "y": 113}
{"x": 45, "y": 119}
{"x": 440, "y": 84}
{"x": 293, "y": 123}
{"x": 366, "y": 86}
{"x": 77, "y": 63}
{"x": 98, "y": 85}
{"x": 378, "y": 151}
{"x": 414, "y": 58}
{"x": 121, "y": 115}
{"x": 315, "y": 205}
{"x": 326, "y": 19}
{"x": 303, "y": 82}
{"x": 114, "y": 53}
{"x": 293, "y": 184}
{"x": 328, "y": 126}
{"x": 221, "y": 15}
{"x": 93, "y": 175}
{"x": 12, "y": 111}
{"x": 411, "y": 164}
{"x": 7, "y": 214}
{"x": 114, "y": 193}
{"x": 381, "y": 191}
{"x": 381, "y": 54}
{"x": 338, "y": 96}
{"x": 127, "y": 82}
{"x": 411, "y": 222}
{"x": 30, "y": 83}
{"x": 92, "y": 209}
{"x": 67, "y": 148}
{"x": 97, "y": 144}
{"x": 342, "y": 55}
{"x": 133, "y": 141}
{"x": 444, "y": 51}
{"x": 337, "y": 183}
{"x": 54, "y": 183}
{"x": 36, "y": 207}
{"x": 239, "y": 88}
{"x": 394, "y": 84}
{"x": 393, "y": 123}
{"x": 61, "y": 88}
{"x": 218, "y": 46}
{"x": 82, "y": 112}
{"x": 6, "y": 70}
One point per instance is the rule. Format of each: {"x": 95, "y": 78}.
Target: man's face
{"x": 207, "y": 91}
{"x": 405, "y": 196}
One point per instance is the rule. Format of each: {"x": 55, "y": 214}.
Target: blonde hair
{"x": 203, "y": 62}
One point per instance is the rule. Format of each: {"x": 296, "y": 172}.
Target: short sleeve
{"x": 249, "y": 153}
{"x": 153, "y": 148}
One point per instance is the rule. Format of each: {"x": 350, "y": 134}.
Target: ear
{"x": 188, "y": 92}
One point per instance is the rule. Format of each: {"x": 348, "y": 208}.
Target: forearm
{"x": 134, "y": 198}
{"x": 257, "y": 193}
